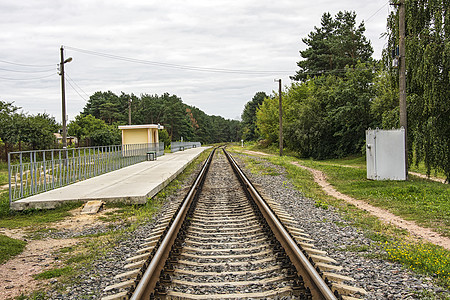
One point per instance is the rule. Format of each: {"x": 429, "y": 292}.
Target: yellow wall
{"x": 135, "y": 136}
{"x": 139, "y": 136}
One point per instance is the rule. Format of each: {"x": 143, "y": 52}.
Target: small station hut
{"x": 140, "y": 134}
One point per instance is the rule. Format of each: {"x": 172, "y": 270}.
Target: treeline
{"x": 20, "y": 131}
{"x": 340, "y": 91}
{"x": 98, "y": 123}
{"x": 179, "y": 120}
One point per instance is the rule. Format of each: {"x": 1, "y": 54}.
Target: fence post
{"x": 9, "y": 177}
{"x": 45, "y": 171}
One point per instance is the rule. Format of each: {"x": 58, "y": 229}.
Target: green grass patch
{"x": 10, "y": 247}
{"x": 37, "y": 295}
{"x": 423, "y": 201}
{"x": 257, "y": 167}
{"x": 53, "y": 273}
{"x": 34, "y": 217}
{"x": 420, "y": 168}
{"x": 424, "y": 258}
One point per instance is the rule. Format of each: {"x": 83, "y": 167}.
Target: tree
{"x": 94, "y": 130}
{"x": 333, "y": 46}
{"x": 427, "y": 79}
{"x": 38, "y": 131}
{"x": 108, "y": 106}
{"x": 324, "y": 117}
{"x": 249, "y": 116}
{"x": 267, "y": 120}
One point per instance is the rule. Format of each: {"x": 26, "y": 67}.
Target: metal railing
{"x": 181, "y": 146}
{"x": 34, "y": 172}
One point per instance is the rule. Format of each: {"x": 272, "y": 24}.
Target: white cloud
{"x": 245, "y": 34}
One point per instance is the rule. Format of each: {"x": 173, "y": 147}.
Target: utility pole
{"x": 129, "y": 111}
{"x": 402, "y": 77}
{"x": 280, "y": 116}
{"x": 63, "y": 96}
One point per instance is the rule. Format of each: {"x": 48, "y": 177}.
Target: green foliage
{"x": 424, "y": 258}
{"x": 324, "y": 117}
{"x": 57, "y": 272}
{"x": 19, "y": 131}
{"x": 267, "y": 119}
{"x": 93, "y": 131}
{"x": 179, "y": 120}
{"x": 164, "y": 137}
{"x": 10, "y": 247}
{"x": 12, "y": 219}
{"x": 333, "y": 46}
{"x": 427, "y": 79}
{"x": 249, "y": 116}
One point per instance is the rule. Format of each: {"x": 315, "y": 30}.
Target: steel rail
{"x": 311, "y": 277}
{"x": 147, "y": 284}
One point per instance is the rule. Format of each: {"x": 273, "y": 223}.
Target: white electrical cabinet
{"x": 385, "y": 154}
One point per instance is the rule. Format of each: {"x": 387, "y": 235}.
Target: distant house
{"x": 70, "y": 139}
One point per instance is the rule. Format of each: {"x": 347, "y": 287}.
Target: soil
{"x": 16, "y": 275}
{"x": 384, "y": 215}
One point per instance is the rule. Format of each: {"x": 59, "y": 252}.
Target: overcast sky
{"x": 214, "y": 55}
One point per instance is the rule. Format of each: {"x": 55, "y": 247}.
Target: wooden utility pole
{"x": 129, "y": 111}
{"x": 280, "y": 116}
{"x": 63, "y": 97}
{"x": 402, "y": 77}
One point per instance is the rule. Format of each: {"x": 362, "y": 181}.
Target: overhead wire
{"x": 373, "y": 15}
{"x": 25, "y": 79}
{"x": 76, "y": 90}
{"x": 25, "y": 65}
{"x": 65, "y": 73}
{"x": 177, "y": 66}
{"x": 23, "y": 71}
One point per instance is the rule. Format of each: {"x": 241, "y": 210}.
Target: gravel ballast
{"x": 332, "y": 233}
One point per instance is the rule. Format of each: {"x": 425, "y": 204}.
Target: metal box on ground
{"x": 385, "y": 154}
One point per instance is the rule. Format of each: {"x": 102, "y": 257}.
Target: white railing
{"x": 181, "y": 146}
{"x": 34, "y": 172}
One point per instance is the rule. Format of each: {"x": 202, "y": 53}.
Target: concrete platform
{"x": 132, "y": 184}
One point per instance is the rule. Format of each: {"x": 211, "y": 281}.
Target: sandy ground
{"x": 16, "y": 275}
{"x": 384, "y": 215}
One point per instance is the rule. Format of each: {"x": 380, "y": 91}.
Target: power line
{"x": 176, "y": 66}
{"x": 25, "y": 65}
{"x": 20, "y": 71}
{"x": 377, "y": 11}
{"x": 76, "y": 85}
{"x": 76, "y": 90}
{"x": 24, "y": 79}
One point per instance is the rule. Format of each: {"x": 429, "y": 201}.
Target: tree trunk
{"x": 6, "y": 151}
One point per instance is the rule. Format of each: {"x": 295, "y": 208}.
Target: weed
{"x": 321, "y": 204}
{"x": 10, "y": 247}
{"x": 425, "y": 258}
{"x": 37, "y": 295}
{"x": 57, "y": 272}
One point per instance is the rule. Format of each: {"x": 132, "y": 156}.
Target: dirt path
{"x": 384, "y": 215}
{"x": 16, "y": 275}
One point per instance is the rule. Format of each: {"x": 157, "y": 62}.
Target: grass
{"x": 10, "y": 247}
{"x": 34, "y": 218}
{"x": 424, "y": 258}
{"x": 57, "y": 272}
{"x": 423, "y": 201}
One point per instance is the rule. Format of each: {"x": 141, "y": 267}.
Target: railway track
{"x": 224, "y": 241}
